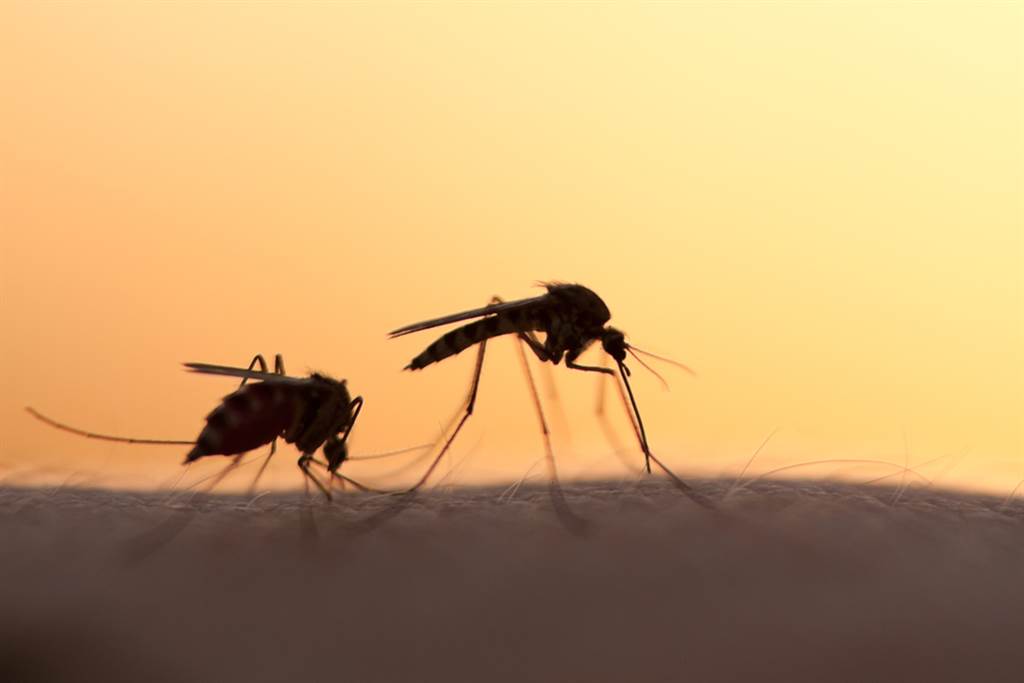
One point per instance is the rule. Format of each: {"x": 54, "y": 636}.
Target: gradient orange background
{"x": 816, "y": 206}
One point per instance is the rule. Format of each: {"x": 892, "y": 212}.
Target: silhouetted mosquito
{"x": 311, "y": 412}
{"x": 572, "y": 317}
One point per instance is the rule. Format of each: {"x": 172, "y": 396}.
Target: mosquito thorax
{"x": 614, "y": 343}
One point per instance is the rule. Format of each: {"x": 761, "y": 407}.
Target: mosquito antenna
{"x": 104, "y": 437}
{"x": 652, "y": 370}
{"x": 676, "y": 363}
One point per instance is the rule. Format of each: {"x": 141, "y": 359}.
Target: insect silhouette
{"x": 311, "y": 412}
{"x": 572, "y": 317}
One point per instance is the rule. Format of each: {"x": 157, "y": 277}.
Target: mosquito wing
{"x": 208, "y": 369}
{"x": 465, "y": 315}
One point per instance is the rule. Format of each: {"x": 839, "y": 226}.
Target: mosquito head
{"x": 336, "y": 452}
{"x": 614, "y": 343}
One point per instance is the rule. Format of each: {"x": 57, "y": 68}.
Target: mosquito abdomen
{"x": 249, "y": 418}
{"x": 462, "y": 338}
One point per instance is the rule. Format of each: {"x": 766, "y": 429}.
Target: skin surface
{"x": 795, "y": 581}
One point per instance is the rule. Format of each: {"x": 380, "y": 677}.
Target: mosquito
{"x": 572, "y": 317}
{"x": 311, "y": 412}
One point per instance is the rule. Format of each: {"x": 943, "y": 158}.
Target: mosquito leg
{"x": 538, "y": 349}
{"x": 638, "y": 426}
{"x": 217, "y": 478}
{"x": 303, "y": 463}
{"x": 181, "y": 475}
{"x": 362, "y": 487}
{"x": 602, "y": 418}
{"x": 307, "y": 523}
{"x": 470, "y": 404}
{"x": 354, "y": 408}
{"x": 571, "y": 363}
{"x": 263, "y": 467}
{"x": 259, "y": 360}
{"x": 640, "y": 438}
{"x": 574, "y": 523}
{"x": 408, "y": 494}
{"x": 529, "y": 337}
{"x": 340, "y": 480}
{"x": 555, "y": 404}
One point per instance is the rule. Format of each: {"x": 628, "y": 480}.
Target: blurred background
{"x": 816, "y": 206}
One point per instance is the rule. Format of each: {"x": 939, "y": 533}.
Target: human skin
{"x": 796, "y": 581}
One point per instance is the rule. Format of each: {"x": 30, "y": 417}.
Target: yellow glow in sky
{"x": 817, "y": 206}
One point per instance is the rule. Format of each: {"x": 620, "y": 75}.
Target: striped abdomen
{"x": 462, "y": 338}
{"x": 249, "y": 418}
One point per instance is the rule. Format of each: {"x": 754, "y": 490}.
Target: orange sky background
{"x": 817, "y": 206}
